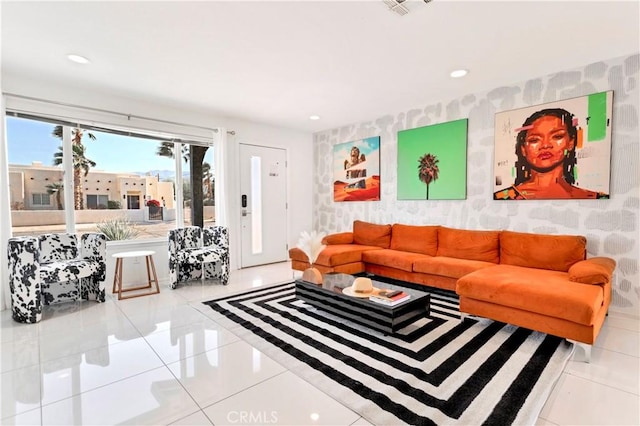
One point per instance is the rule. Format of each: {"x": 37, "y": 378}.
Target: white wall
{"x": 611, "y": 226}
{"x": 297, "y": 143}
{"x": 299, "y": 177}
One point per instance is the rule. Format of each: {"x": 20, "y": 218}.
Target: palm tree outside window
{"x": 56, "y": 189}
{"x": 81, "y": 164}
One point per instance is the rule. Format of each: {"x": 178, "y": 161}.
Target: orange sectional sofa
{"x": 540, "y": 282}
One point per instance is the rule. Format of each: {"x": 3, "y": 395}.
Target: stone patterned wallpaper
{"x": 611, "y": 226}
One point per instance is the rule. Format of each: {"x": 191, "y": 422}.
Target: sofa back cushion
{"x": 554, "y": 252}
{"x": 371, "y": 234}
{"x": 471, "y": 245}
{"x": 58, "y": 247}
{"x": 415, "y": 239}
{"x": 188, "y": 237}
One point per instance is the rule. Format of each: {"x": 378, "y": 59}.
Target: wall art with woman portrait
{"x": 356, "y": 170}
{"x": 559, "y": 150}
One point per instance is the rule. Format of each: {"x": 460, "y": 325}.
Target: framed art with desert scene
{"x": 557, "y": 150}
{"x": 432, "y": 162}
{"x": 356, "y": 170}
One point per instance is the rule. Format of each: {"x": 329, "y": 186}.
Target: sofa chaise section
{"x": 543, "y": 283}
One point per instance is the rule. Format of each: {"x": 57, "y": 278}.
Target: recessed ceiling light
{"x": 458, "y": 73}
{"x": 314, "y": 117}
{"x": 78, "y": 59}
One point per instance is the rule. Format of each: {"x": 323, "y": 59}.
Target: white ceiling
{"x": 279, "y": 62}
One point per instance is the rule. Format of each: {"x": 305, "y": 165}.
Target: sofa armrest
{"x": 596, "y": 270}
{"x": 174, "y": 245}
{"x": 24, "y": 279}
{"x": 217, "y": 236}
{"x": 93, "y": 246}
{"x": 339, "y": 238}
{"x": 23, "y": 254}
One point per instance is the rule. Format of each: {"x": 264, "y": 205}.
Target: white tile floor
{"x": 162, "y": 359}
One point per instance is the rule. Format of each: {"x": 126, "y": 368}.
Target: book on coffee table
{"x": 390, "y": 297}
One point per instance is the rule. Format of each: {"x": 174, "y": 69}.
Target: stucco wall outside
{"x": 33, "y": 179}
{"x": 22, "y": 218}
{"x": 611, "y": 226}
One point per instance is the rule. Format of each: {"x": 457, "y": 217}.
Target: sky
{"x": 30, "y": 140}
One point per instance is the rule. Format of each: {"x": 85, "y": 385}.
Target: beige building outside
{"x": 32, "y": 204}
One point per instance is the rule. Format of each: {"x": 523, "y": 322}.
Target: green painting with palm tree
{"x": 432, "y": 162}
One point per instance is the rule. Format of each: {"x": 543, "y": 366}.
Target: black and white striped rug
{"x": 436, "y": 371}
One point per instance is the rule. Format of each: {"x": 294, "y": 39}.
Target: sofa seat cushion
{"x": 200, "y": 255}
{"x": 535, "y": 290}
{"x": 68, "y": 270}
{"x": 334, "y": 254}
{"x": 402, "y": 260}
{"x": 448, "y": 266}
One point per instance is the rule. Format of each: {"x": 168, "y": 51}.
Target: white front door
{"x": 263, "y": 205}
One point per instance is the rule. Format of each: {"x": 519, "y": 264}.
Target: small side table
{"x": 152, "y": 278}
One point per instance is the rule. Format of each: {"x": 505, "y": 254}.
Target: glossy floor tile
{"x": 164, "y": 318}
{"x": 151, "y": 398}
{"x": 163, "y": 359}
{"x": 31, "y": 418}
{"x": 604, "y": 391}
{"x": 577, "y": 401}
{"x": 78, "y": 339}
{"x": 609, "y": 368}
{"x": 284, "y": 399}
{"x": 619, "y": 340}
{"x": 361, "y": 422}
{"x": 189, "y": 340}
{"x": 19, "y": 354}
{"x": 197, "y": 418}
{"x": 79, "y": 373}
{"x": 11, "y": 331}
{"x": 20, "y": 390}
{"x": 77, "y": 314}
{"x": 219, "y": 373}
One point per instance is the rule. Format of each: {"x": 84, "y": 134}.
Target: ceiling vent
{"x": 398, "y": 7}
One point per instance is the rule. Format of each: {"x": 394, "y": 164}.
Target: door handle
{"x": 245, "y": 212}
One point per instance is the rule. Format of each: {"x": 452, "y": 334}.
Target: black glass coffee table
{"x": 329, "y": 297}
